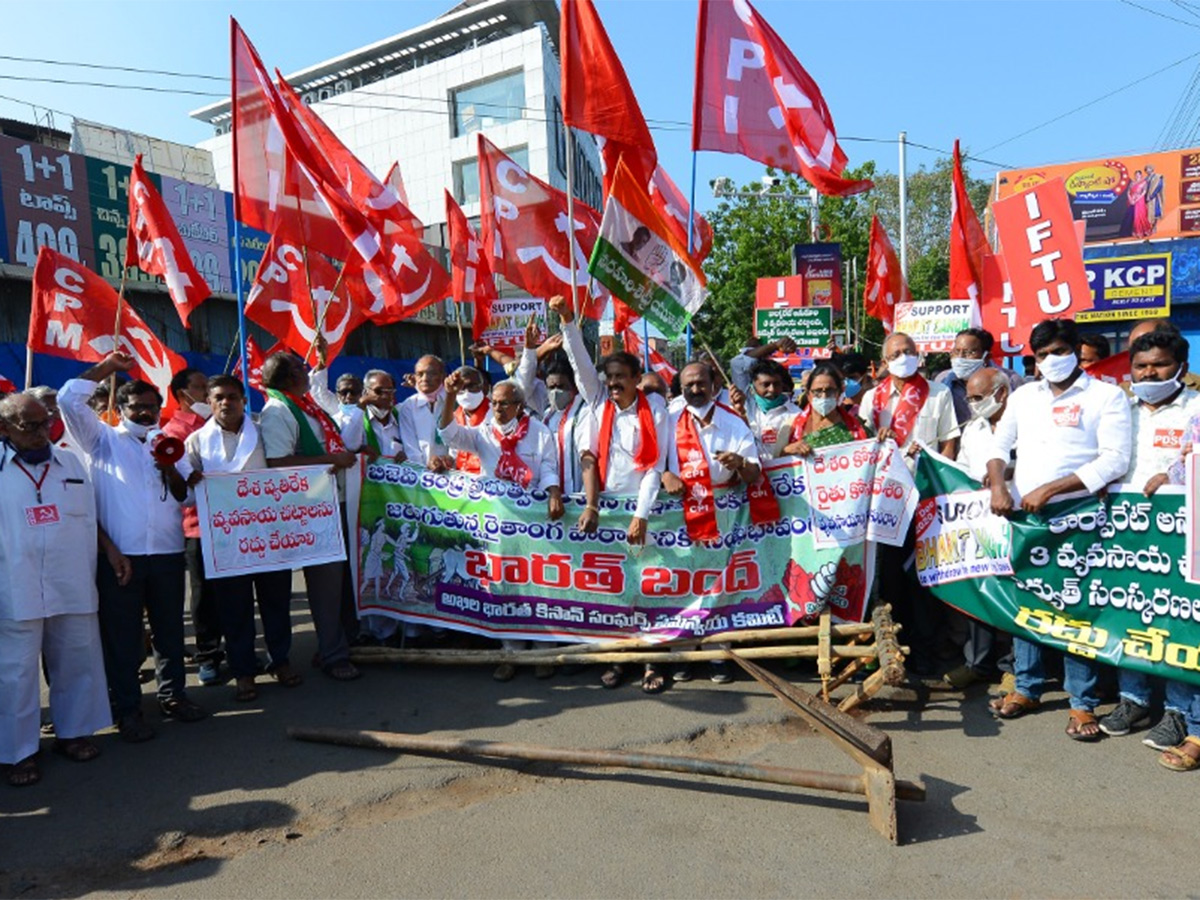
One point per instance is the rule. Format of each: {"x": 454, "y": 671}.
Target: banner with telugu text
{"x": 1101, "y": 577}
{"x": 269, "y": 519}
{"x": 480, "y": 555}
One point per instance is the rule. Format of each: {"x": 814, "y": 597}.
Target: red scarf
{"x": 510, "y": 466}
{"x": 699, "y": 506}
{"x": 464, "y": 461}
{"x": 913, "y": 395}
{"x": 646, "y": 454}
{"x": 332, "y": 437}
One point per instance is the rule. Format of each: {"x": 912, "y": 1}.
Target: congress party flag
{"x": 641, "y": 259}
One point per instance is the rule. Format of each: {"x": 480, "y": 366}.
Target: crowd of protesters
{"x": 88, "y": 470}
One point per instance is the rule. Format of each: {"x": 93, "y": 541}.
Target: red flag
{"x": 596, "y": 95}
{"x": 968, "y": 243}
{"x": 1115, "y": 370}
{"x": 255, "y": 359}
{"x": 524, "y": 227}
{"x": 395, "y": 181}
{"x": 291, "y": 302}
{"x": 472, "y": 273}
{"x": 885, "y": 282}
{"x": 154, "y": 245}
{"x": 754, "y": 98}
{"x": 74, "y": 313}
{"x": 672, "y": 205}
{"x": 6, "y": 386}
{"x": 658, "y": 362}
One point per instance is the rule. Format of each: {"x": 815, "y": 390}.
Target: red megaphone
{"x": 168, "y": 450}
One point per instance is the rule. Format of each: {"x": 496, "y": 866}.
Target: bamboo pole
{"x": 519, "y": 658}
{"x": 692, "y": 765}
{"x": 845, "y": 630}
{"x": 112, "y": 379}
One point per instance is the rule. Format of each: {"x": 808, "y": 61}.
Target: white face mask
{"x": 470, "y": 400}
{"x": 904, "y": 366}
{"x": 379, "y": 412}
{"x": 1056, "y": 369}
{"x": 985, "y": 408}
{"x": 203, "y": 410}
{"x": 138, "y": 431}
{"x": 1155, "y": 392}
{"x": 347, "y": 407}
{"x": 507, "y": 428}
{"x": 824, "y": 405}
{"x": 964, "y": 368}
{"x": 560, "y": 398}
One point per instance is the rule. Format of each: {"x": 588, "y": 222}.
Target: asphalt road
{"x": 231, "y": 807}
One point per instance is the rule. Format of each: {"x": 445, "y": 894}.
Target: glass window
{"x": 466, "y": 174}
{"x": 489, "y": 103}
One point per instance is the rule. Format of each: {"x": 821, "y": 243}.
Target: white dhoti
{"x": 75, "y": 667}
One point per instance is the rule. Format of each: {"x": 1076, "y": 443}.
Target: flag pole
{"x": 903, "y": 206}
{"x": 570, "y": 147}
{"x": 691, "y": 228}
{"x": 237, "y": 230}
{"x": 112, "y": 379}
{"x": 646, "y": 343}
{"x": 462, "y": 343}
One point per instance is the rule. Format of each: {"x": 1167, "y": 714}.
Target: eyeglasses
{"x": 29, "y": 427}
{"x": 142, "y": 407}
{"x": 354, "y": 392}
{"x": 506, "y": 403}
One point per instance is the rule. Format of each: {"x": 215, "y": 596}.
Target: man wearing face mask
{"x": 511, "y": 446}
{"x": 375, "y": 425}
{"x": 473, "y": 408}
{"x": 755, "y": 349}
{"x": 906, "y": 407}
{"x": 972, "y": 351}
{"x": 48, "y": 397}
{"x": 138, "y": 500}
{"x": 419, "y": 416}
{"x": 349, "y": 390}
{"x": 189, "y": 387}
{"x": 857, "y": 372}
{"x": 769, "y": 410}
{"x": 48, "y": 607}
{"x": 1072, "y": 435}
{"x": 1161, "y": 409}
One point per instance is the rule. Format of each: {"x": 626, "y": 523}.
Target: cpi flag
{"x": 639, "y": 257}
{"x": 968, "y": 244}
{"x": 155, "y": 246}
{"x": 754, "y": 98}
{"x": 885, "y": 282}
{"x": 74, "y": 315}
{"x": 472, "y": 274}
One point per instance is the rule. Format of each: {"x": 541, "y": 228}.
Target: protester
{"x": 139, "y": 504}
{"x": 419, "y": 416}
{"x": 623, "y": 452}
{"x": 1092, "y": 349}
{"x": 987, "y": 391}
{"x": 48, "y": 609}
{"x": 652, "y": 383}
{"x": 474, "y": 407}
{"x": 189, "y": 387}
{"x": 1161, "y": 409}
{"x": 296, "y": 431}
{"x": 229, "y": 442}
{"x": 514, "y": 447}
{"x": 349, "y": 390}
{"x": 824, "y": 421}
{"x": 971, "y": 352}
{"x": 375, "y": 425}
{"x": 1145, "y": 326}
{"x": 1071, "y": 435}
{"x": 48, "y": 397}
{"x": 754, "y": 350}
{"x": 769, "y": 410}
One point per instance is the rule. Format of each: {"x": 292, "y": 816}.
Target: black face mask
{"x": 33, "y": 457}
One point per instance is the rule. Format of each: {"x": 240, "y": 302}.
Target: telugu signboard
{"x": 933, "y": 324}
{"x": 808, "y": 326}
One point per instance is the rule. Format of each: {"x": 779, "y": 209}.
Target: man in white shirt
{"x": 419, "y": 416}
{"x": 48, "y": 604}
{"x": 768, "y": 409}
{"x": 138, "y": 501}
{"x": 297, "y": 430}
{"x": 1071, "y": 434}
{"x": 1161, "y": 408}
{"x": 971, "y": 352}
{"x": 229, "y": 442}
{"x": 512, "y": 446}
{"x": 375, "y": 425}
{"x": 913, "y": 412}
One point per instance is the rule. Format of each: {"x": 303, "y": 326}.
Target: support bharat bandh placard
{"x": 1100, "y": 577}
{"x": 269, "y": 519}
{"x": 933, "y": 324}
{"x": 509, "y": 316}
{"x": 639, "y": 259}
{"x": 480, "y": 555}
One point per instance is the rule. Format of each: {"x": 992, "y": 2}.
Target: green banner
{"x": 480, "y": 555}
{"x": 1100, "y": 577}
{"x": 808, "y": 326}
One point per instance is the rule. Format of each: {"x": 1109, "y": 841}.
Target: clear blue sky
{"x": 984, "y": 72}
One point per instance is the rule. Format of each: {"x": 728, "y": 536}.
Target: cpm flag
{"x": 74, "y": 315}
{"x": 471, "y": 279}
{"x": 155, "y": 246}
{"x": 885, "y": 282}
{"x": 640, "y": 258}
{"x": 968, "y": 244}
{"x": 754, "y": 98}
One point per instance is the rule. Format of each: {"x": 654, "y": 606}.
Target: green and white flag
{"x": 639, "y": 259}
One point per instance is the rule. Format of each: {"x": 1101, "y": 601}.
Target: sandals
{"x": 613, "y": 676}
{"x": 25, "y": 773}
{"x": 286, "y": 676}
{"x": 653, "y": 680}
{"x": 1083, "y": 726}
{"x": 342, "y": 671}
{"x": 245, "y": 691}
{"x": 1178, "y": 759}
{"x": 79, "y": 749}
{"x": 1013, "y": 705}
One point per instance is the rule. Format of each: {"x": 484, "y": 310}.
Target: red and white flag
{"x": 155, "y": 246}
{"x": 658, "y": 363}
{"x": 471, "y": 271}
{"x": 968, "y": 243}
{"x": 74, "y": 315}
{"x": 395, "y": 181}
{"x": 671, "y": 203}
{"x": 754, "y": 98}
{"x": 525, "y": 231}
{"x": 297, "y": 296}
{"x": 596, "y": 95}
{"x": 255, "y": 359}
{"x": 885, "y": 281}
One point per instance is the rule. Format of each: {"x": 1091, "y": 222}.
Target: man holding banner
{"x": 1071, "y": 434}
